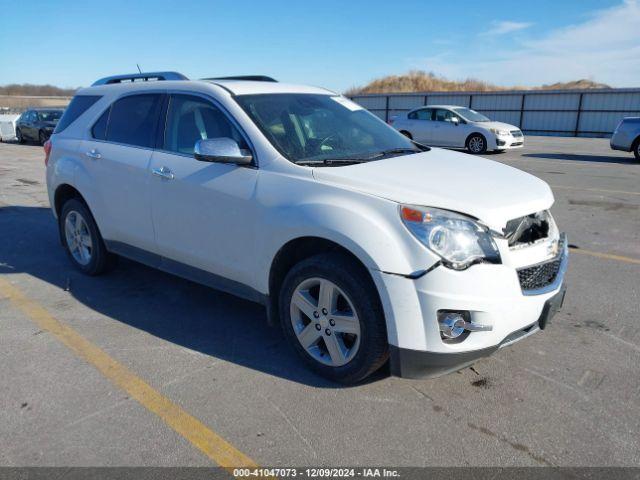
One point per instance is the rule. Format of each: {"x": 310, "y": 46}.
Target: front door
{"x": 446, "y": 131}
{"x": 203, "y": 212}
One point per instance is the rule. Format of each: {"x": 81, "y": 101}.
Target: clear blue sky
{"x": 337, "y": 44}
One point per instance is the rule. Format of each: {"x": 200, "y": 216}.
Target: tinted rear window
{"x": 134, "y": 119}
{"x": 77, "y": 107}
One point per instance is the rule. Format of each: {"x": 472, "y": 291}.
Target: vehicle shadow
{"x": 582, "y": 157}
{"x": 176, "y": 310}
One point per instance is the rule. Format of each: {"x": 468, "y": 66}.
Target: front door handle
{"x": 93, "y": 153}
{"x": 163, "y": 172}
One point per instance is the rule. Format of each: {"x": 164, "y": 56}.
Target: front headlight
{"x": 459, "y": 240}
{"x": 498, "y": 132}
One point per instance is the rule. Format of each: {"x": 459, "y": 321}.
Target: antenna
{"x": 137, "y": 65}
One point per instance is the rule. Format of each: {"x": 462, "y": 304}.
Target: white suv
{"x": 457, "y": 127}
{"x": 360, "y": 243}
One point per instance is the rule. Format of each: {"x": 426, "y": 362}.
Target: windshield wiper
{"x": 392, "y": 151}
{"x": 333, "y": 161}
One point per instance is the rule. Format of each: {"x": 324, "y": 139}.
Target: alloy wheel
{"x": 78, "y": 238}
{"x": 476, "y": 144}
{"x": 325, "y": 322}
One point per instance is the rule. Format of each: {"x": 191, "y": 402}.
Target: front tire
{"x": 331, "y": 315}
{"x": 477, "y": 144}
{"x": 19, "y": 136}
{"x": 42, "y": 138}
{"x": 81, "y": 238}
{"x": 636, "y": 150}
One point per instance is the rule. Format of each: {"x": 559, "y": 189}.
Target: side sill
{"x": 186, "y": 271}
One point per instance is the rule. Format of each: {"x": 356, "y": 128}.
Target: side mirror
{"x": 455, "y": 121}
{"x": 221, "y": 150}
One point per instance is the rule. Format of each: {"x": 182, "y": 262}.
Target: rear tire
{"x": 477, "y": 144}
{"x": 636, "y": 149}
{"x": 19, "y": 136}
{"x": 349, "y": 347}
{"x": 82, "y": 240}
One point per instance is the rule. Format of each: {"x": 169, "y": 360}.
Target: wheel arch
{"x": 63, "y": 193}
{"x": 476, "y": 132}
{"x": 293, "y": 252}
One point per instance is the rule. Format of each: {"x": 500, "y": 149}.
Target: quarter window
{"x": 193, "y": 118}
{"x": 99, "y": 129}
{"x": 134, "y": 119}
{"x": 79, "y": 105}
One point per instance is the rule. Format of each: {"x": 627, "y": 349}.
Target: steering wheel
{"x": 325, "y": 141}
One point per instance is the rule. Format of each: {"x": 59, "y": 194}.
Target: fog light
{"x": 452, "y": 324}
{"x": 500, "y": 143}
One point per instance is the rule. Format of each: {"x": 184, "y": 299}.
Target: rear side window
{"x": 424, "y": 114}
{"x": 99, "y": 129}
{"x": 77, "y": 107}
{"x": 134, "y": 119}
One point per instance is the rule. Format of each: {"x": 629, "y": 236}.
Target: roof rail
{"x": 254, "y": 78}
{"x": 143, "y": 77}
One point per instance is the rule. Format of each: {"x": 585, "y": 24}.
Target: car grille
{"x": 542, "y": 274}
{"x": 516, "y": 133}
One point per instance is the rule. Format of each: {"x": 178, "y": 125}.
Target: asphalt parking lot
{"x": 569, "y": 396}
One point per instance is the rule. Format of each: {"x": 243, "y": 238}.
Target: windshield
{"x": 471, "y": 115}
{"x": 315, "y": 128}
{"x": 52, "y": 116}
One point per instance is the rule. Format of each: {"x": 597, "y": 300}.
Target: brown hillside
{"x": 36, "y": 90}
{"x": 419, "y": 81}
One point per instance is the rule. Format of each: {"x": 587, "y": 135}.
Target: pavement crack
{"x": 293, "y": 427}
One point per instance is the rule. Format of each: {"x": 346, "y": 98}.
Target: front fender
{"x": 367, "y": 226}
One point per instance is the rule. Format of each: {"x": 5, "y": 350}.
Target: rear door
{"x": 118, "y": 155}
{"x": 421, "y": 125}
{"x": 203, "y": 212}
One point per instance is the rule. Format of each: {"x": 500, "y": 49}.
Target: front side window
{"x": 49, "y": 116}
{"x": 192, "y": 118}
{"x": 443, "y": 115}
{"x": 134, "y": 119}
{"x": 311, "y": 127}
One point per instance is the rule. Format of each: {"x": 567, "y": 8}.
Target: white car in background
{"x": 457, "y": 127}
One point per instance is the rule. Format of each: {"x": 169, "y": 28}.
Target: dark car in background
{"x": 37, "y": 124}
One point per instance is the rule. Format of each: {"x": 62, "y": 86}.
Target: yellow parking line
{"x": 208, "y": 442}
{"x": 608, "y": 256}
{"x": 602, "y": 190}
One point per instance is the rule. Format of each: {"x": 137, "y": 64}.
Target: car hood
{"x": 489, "y": 191}
{"x": 498, "y": 125}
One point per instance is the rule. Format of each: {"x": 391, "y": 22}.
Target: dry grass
{"x": 419, "y": 81}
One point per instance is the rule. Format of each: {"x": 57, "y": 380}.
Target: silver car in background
{"x": 626, "y": 136}
{"x": 457, "y": 127}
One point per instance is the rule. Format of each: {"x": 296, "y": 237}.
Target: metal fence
{"x": 578, "y": 113}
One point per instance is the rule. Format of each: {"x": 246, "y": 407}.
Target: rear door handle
{"x": 163, "y": 172}
{"x": 93, "y": 153}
